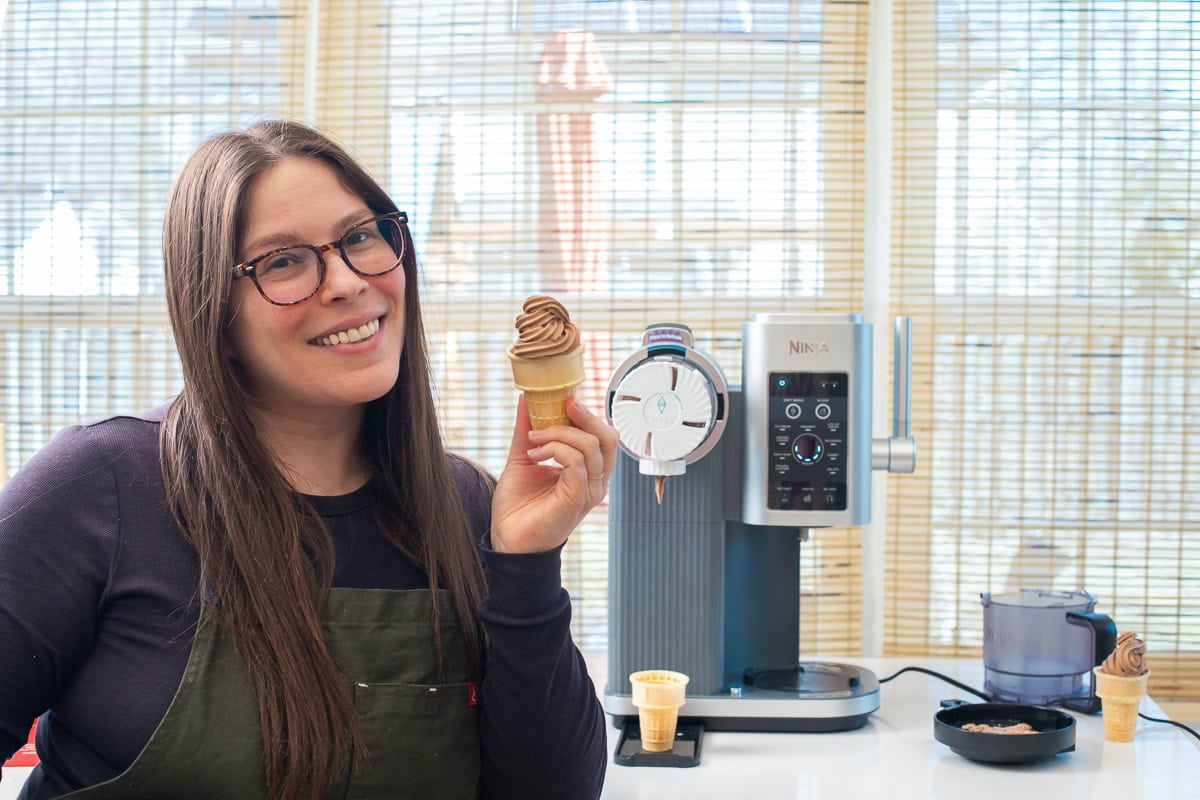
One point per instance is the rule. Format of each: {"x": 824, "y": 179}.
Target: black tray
{"x": 684, "y": 753}
{"x": 1055, "y": 731}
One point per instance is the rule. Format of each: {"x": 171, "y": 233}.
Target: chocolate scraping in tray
{"x": 1015, "y": 729}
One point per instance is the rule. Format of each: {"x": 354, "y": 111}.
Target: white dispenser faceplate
{"x": 663, "y": 409}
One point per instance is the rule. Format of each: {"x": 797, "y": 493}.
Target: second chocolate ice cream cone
{"x": 1120, "y": 699}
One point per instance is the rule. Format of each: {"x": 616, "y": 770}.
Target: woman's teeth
{"x": 349, "y": 335}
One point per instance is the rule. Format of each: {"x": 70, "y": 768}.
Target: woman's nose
{"x": 340, "y": 281}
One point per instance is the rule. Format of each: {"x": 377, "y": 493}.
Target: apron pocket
{"x": 422, "y": 742}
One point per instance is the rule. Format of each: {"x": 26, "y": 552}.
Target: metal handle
{"x": 899, "y": 452}
{"x": 902, "y": 378}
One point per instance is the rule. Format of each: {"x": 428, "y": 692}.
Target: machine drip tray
{"x": 805, "y": 680}
{"x": 809, "y": 697}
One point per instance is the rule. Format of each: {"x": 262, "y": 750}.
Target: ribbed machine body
{"x": 666, "y": 570}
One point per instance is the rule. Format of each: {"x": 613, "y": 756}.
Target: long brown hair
{"x": 266, "y": 556}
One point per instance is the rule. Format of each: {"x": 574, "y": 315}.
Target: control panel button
{"x": 822, "y": 411}
{"x": 807, "y": 448}
{"x": 792, "y": 410}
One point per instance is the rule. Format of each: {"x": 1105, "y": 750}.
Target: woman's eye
{"x": 284, "y": 261}
{"x": 360, "y": 237}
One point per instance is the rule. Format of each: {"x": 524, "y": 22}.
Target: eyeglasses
{"x": 289, "y": 275}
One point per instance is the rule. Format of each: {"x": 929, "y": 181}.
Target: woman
{"x": 281, "y": 585}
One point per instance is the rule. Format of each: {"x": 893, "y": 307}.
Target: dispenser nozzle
{"x": 661, "y": 470}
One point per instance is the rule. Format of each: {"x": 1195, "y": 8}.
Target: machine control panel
{"x": 806, "y": 446}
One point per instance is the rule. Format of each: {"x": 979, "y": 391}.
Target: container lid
{"x": 1039, "y": 598}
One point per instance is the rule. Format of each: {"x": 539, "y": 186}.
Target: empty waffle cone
{"x": 658, "y": 695}
{"x": 1120, "y": 698}
{"x": 547, "y": 383}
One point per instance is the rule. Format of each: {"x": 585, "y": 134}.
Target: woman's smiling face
{"x": 289, "y": 364}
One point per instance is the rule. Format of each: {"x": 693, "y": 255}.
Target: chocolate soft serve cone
{"x": 1121, "y": 683}
{"x": 547, "y": 360}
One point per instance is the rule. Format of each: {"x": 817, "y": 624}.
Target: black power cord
{"x": 940, "y": 676}
{"x": 1192, "y": 731}
{"x": 978, "y": 693}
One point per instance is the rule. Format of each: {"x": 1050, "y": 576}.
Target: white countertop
{"x": 895, "y": 756}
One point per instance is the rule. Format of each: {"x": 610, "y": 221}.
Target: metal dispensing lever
{"x": 898, "y": 453}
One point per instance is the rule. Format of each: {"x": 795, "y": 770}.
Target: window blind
{"x": 693, "y": 162}
{"x": 653, "y": 161}
{"x": 1044, "y": 240}
{"x": 644, "y": 162}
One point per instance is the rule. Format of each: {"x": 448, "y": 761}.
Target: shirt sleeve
{"x": 58, "y": 535}
{"x": 541, "y": 725}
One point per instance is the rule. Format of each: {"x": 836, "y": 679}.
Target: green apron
{"x": 421, "y": 734}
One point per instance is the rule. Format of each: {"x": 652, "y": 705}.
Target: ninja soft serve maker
{"x": 707, "y": 581}
{"x": 1040, "y": 647}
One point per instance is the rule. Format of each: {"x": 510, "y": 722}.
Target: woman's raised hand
{"x": 536, "y": 505}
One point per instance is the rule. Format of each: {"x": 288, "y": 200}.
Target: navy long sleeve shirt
{"x": 99, "y": 598}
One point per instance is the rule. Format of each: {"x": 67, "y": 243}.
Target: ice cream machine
{"x": 707, "y": 581}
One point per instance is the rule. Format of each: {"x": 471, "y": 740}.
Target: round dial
{"x": 808, "y": 448}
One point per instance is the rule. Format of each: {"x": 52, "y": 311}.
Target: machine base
{"x": 792, "y": 701}
{"x": 759, "y": 725}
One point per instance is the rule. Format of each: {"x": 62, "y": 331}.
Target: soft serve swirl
{"x": 544, "y": 329}
{"x": 1126, "y": 658}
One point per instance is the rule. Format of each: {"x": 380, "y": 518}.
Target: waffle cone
{"x": 1120, "y": 698}
{"x": 658, "y": 728}
{"x": 658, "y": 695}
{"x": 547, "y": 383}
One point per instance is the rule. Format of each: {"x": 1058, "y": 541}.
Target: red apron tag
{"x": 472, "y": 694}
{"x": 27, "y": 756}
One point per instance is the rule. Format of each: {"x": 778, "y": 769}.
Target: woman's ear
{"x": 234, "y": 365}
{"x": 228, "y": 350}
{"x": 234, "y": 306}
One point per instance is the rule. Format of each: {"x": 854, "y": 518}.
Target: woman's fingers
{"x": 567, "y": 456}
{"x": 587, "y": 449}
{"x": 605, "y": 434}
{"x": 601, "y": 452}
